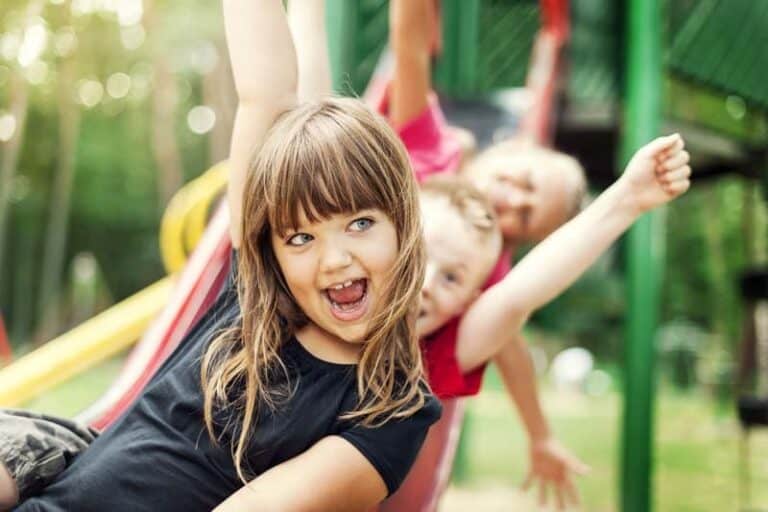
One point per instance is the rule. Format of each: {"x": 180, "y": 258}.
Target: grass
{"x": 80, "y": 391}
{"x": 696, "y": 450}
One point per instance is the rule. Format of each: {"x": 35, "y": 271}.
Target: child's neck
{"x": 327, "y": 347}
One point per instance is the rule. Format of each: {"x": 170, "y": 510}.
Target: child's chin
{"x": 425, "y": 327}
{"x": 354, "y": 335}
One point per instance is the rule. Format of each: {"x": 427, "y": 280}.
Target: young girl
{"x": 307, "y": 368}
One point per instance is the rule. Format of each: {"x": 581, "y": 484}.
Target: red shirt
{"x": 439, "y": 350}
{"x": 433, "y": 149}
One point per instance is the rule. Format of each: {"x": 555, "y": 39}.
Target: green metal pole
{"x": 341, "y": 18}
{"x": 457, "y": 69}
{"x": 645, "y": 255}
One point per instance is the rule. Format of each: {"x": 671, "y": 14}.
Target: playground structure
{"x": 472, "y": 67}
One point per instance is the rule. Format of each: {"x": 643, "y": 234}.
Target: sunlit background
{"x": 108, "y": 107}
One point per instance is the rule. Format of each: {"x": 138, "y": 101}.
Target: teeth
{"x": 339, "y": 286}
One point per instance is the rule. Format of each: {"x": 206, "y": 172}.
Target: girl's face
{"x": 336, "y": 270}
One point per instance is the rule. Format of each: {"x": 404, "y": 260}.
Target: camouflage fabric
{"x": 35, "y": 447}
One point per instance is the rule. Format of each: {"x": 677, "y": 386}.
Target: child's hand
{"x": 657, "y": 173}
{"x": 554, "y": 467}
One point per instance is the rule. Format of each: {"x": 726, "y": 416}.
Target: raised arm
{"x": 410, "y": 36}
{"x": 657, "y": 173}
{"x": 329, "y": 477}
{"x": 264, "y": 67}
{"x": 307, "y": 21}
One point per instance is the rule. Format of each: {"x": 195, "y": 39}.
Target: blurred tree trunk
{"x": 61, "y": 199}
{"x": 219, "y": 94}
{"x": 164, "y": 102}
{"x": 718, "y": 269}
{"x": 753, "y": 224}
{"x": 164, "y": 145}
{"x": 19, "y": 102}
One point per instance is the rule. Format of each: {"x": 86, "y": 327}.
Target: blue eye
{"x": 299, "y": 239}
{"x": 361, "y": 224}
{"x": 451, "y": 277}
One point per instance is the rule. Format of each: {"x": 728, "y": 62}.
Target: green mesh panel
{"x": 506, "y": 34}
{"x": 370, "y": 28}
{"x": 723, "y": 44}
{"x": 593, "y": 52}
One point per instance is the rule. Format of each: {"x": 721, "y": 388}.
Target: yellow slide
{"x": 117, "y": 328}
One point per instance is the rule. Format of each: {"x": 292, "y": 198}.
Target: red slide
{"x": 197, "y": 287}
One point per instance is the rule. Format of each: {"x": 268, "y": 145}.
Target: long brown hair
{"x": 320, "y": 159}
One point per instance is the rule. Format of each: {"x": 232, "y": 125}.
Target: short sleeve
{"x": 392, "y": 447}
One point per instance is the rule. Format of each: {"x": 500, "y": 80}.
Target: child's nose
{"x": 335, "y": 257}
{"x": 517, "y": 199}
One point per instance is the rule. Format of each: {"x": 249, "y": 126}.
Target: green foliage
{"x": 115, "y": 206}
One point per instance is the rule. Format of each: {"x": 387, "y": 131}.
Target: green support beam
{"x": 456, "y": 72}
{"x": 341, "y": 23}
{"x": 645, "y": 250}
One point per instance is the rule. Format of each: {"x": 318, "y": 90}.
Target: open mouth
{"x": 348, "y": 300}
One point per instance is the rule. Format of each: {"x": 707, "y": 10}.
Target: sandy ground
{"x": 488, "y": 499}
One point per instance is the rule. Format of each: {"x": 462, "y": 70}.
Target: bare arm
{"x": 264, "y": 67}
{"x": 307, "y": 21}
{"x": 656, "y": 174}
{"x": 517, "y": 373}
{"x": 410, "y": 36}
{"x": 550, "y": 463}
{"x": 329, "y": 477}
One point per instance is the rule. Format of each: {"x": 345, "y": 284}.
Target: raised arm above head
{"x": 307, "y": 21}
{"x": 412, "y": 24}
{"x": 264, "y": 67}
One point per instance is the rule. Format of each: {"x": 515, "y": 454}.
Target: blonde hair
{"x": 320, "y": 159}
{"x": 511, "y": 154}
{"x": 471, "y": 204}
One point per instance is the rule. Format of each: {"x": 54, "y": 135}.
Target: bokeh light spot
{"x": 132, "y": 37}
{"x": 7, "y": 126}
{"x": 90, "y": 92}
{"x": 201, "y": 119}
{"x": 118, "y": 85}
{"x": 736, "y": 107}
{"x": 33, "y": 44}
{"x": 37, "y": 72}
{"x": 65, "y": 42}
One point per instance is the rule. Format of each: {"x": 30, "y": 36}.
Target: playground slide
{"x": 197, "y": 287}
{"x": 119, "y": 327}
{"x": 88, "y": 344}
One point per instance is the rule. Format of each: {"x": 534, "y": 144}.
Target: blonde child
{"x": 532, "y": 191}
{"x": 306, "y": 368}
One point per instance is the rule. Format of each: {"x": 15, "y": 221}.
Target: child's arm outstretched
{"x": 331, "y": 476}
{"x": 550, "y": 463}
{"x": 264, "y": 68}
{"x": 657, "y": 173}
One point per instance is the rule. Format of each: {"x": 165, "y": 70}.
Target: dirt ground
{"x": 488, "y": 499}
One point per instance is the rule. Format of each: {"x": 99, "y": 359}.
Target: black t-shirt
{"x": 158, "y": 456}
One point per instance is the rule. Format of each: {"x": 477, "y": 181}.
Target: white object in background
{"x": 571, "y": 367}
